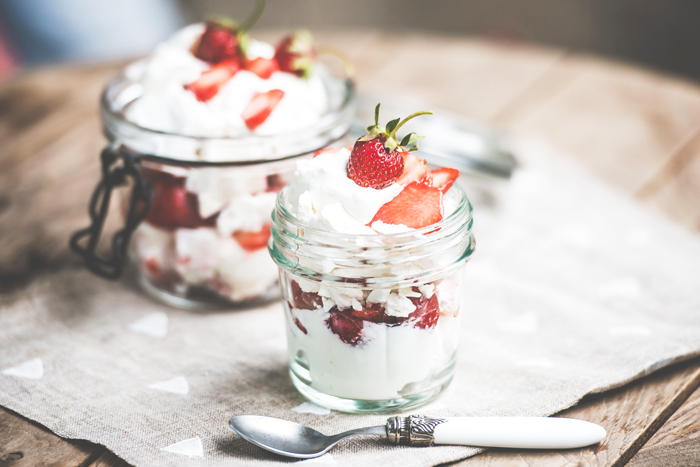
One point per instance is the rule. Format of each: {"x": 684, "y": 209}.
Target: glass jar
{"x": 197, "y": 214}
{"x": 372, "y": 320}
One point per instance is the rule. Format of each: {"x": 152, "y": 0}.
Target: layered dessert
{"x": 207, "y": 226}
{"x": 372, "y": 289}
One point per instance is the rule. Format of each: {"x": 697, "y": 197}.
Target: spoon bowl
{"x": 288, "y": 438}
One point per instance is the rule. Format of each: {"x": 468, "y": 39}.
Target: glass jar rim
{"x": 449, "y": 243}
{"x": 332, "y": 126}
{"x": 464, "y": 203}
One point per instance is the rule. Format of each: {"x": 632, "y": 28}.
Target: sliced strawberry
{"x": 375, "y": 314}
{"x": 444, "y": 178}
{"x": 418, "y": 205}
{"x": 260, "y": 107}
{"x": 263, "y": 67}
{"x": 300, "y": 326}
{"x": 157, "y": 275}
{"x": 275, "y": 183}
{"x": 209, "y": 83}
{"x": 344, "y": 325}
{"x": 414, "y": 169}
{"x": 427, "y": 311}
{"x": 172, "y": 206}
{"x": 152, "y": 267}
{"x": 371, "y": 312}
{"x": 305, "y": 300}
{"x": 252, "y": 241}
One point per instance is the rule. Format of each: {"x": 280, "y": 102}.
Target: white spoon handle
{"x": 518, "y": 432}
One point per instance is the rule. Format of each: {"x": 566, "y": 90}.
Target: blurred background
{"x": 663, "y": 35}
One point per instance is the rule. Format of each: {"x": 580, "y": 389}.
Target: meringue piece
{"x": 399, "y": 305}
{"x": 247, "y": 213}
{"x": 378, "y": 296}
{"x": 215, "y": 187}
{"x": 341, "y": 296}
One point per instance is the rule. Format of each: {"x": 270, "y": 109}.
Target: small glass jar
{"x": 372, "y": 320}
{"x": 197, "y": 216}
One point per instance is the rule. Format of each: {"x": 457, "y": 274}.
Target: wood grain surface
{"x": 638, "y": 130}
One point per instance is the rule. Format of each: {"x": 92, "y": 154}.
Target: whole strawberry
{"x": 224, "y": 39}
{"x": 218, "y": 43}
{"x": 376, "y": 160}
{"x": 295, "y": 53}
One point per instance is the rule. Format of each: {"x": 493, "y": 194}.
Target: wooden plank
{"x": 49, "y": 166}
{"x": 677, "y": 443}
{"x": 621, "y": 122}
{"x": 675, "y": 188}
{"x": 474, "y": 78}
{"x": 109, "y": 459}
{"x": 631, "y": 415}
{"x": 26, "y": 444}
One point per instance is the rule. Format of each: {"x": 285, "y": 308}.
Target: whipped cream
{"x": 322, "y": 195}
{"x": 165, "y": 104}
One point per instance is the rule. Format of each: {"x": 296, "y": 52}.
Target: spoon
{"x": 295, "y": 440}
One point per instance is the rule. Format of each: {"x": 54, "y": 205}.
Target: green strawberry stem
{"x": 254, "y": 16}
{"x": 401, "y": 123}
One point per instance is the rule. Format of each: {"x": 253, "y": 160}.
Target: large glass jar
{"x": 372, "y": 320}
{"x": 197, "y": 213}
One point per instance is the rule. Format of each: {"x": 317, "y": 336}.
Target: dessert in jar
{"x": 370, "y": 246}
{"x": 206, "y": 131}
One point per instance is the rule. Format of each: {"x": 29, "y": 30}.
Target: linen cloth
{"x": 574, "y": 289}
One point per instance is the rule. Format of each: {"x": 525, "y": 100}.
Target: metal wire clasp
{"x": 114, "y": 174}
{"x": 414, "y": 430}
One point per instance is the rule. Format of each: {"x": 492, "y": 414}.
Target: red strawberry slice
{"x": 415, "y": 169}
{"x": 305, "y": 300}
{"x": 300, "y": 326}
{"x": 444, "y": 178}
{"x": 375, "y": 314}
{"x": 172, "y": 206}
{"x": 427, "y": 311}
{"x": 263, "y": 67}
{"x": 209, "y": 83}
{"x": 344, "y": 325}
{"x": 371, "y": 312}
{"x": 275, "y": 183}
{"x": 418, "y": 205}
{"x": 252, "y": 241}
{"x": 217, "y": 43}
{"x": 260, "y": 107}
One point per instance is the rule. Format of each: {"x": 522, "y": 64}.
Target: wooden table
{"x": 638, "y": 130}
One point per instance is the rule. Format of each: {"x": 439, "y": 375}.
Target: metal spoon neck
{"x": 369, "y": 431}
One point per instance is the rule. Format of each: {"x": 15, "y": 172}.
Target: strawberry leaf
{"x": 406, "y": 139}
{"x": 412, "y": 143}
{"x": 376, "y": 115}
{"x": 391, "y": 125}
